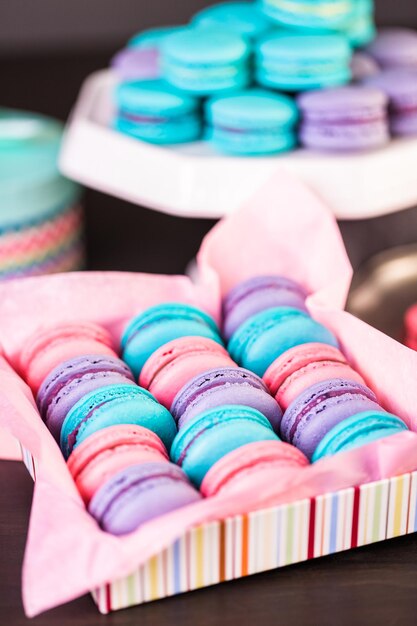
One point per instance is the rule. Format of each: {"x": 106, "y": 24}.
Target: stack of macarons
{"x": 177, "y": 353}
{"x": 326, "y": 405}
{"x": 41, "y": 218}
{"x": 114, "y": 434}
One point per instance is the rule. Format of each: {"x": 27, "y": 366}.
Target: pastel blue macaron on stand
{"x": 206, "y": 60}
{"x": 245, "y": 18}
{"x": 252, "y": 122}
{"x": 294, "y": 62}
{"x": 156, "y": 112}
{"x": 309, "y": 14}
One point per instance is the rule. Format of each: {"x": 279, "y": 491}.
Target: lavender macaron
{"x": 225, "y": 386}
{"x": 395, "y": 47}
{"x": 321, "y": 407}
{"x": 346, "y": 119}
{"x": 400, "y": 86}
{"x": 258, "y": 294}
{"x": 139, "y": 494}
{"x": 74, "y": 379}
{"x": 363, "y": 66}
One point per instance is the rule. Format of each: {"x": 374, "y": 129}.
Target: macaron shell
{"x": 358, "y": 430}
{"x": 267, "y": 335}
{"x": 139, "y": 494}
{"x": 109, "y": 451}
{"x": 263, "y": 459}
{"x": 74, "y": 391}
{"x": 117, "y": 404}
{"x": 177, "y": 362}
{"x": 213, "y": 434}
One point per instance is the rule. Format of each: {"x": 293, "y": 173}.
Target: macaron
{"x": 112, "y": 405}
{"x": 252, "y": 122}
{"x": 295, "y": 62}
{"x": 224, "y": 386}
{"x": 110, "y": 450}
{"x": 244, "y": 18}
{"x": 320, "y": 407}
{"x": 50, "y": 347}
{"x": 363, "y": 66}
{"x": 257, "y": 294}
{"x": 170, "y": 367}
{"x": 153, "y": 111}
{"x": 344, "y": 119}
{"x": 394, "y": 48}
{"x": 357, "y": 431}
{"x": 410, "y": 327}
{"x": 265, "y": 336}
{"x": 140, "y": 493}
{"x": 310, "y": 15}
{"x": 160, "y": 324}
{"x": 73, "y": 379}
{"x": 205, "y": 61}
{"x": 211, "y": 435}
{"x": 400, "y": 85}
{"x": 304, "y": 366}
{"x": 361, "y": 28}
{"x": 262, "y": 462}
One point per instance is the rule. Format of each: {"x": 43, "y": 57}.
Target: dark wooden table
{"x": 372, "y": 585}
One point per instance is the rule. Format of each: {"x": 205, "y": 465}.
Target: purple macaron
{"x": 136, "y": 64}
{"x": 400, "y": 86}
{"x": 258, "y": 294}
{"x": 321, "y": 407}
{"x": 346, "y": 119}
{"x": 225, "y": 386}
{"x": 139, "y": 494}
{"x": 363, "y": 66}
{"x": 395, "y": 47}
{"x": 72, "y": 380}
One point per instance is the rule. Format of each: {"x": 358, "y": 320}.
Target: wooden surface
{"x": 373, "y": 585}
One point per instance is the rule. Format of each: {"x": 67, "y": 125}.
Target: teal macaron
{"x": 111, "y": 405}
{"x": 252, "y": 122}
{"x": 245, "y": 18}
{"x": 153, "y": 111}
{"x": 152, "y": 38}
{"x": 211, "y": 435}
{"x": 309, "y": 15}
{"x": 265, "y": 336}
{"x": 297, "y": 62}
{"x": 361, "y": 29}
{"x": 206, "y": 60}
{"x": 358, "y": 430}
{"x": 160, "y": 324}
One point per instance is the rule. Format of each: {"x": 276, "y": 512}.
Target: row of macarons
{"x": 117, "y": 436}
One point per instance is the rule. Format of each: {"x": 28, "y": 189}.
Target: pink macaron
{"x": 256, "y": 463}
{"x": 410, "y": 327}
{"x": 170, "y": 367}
{"x": 50, "y": 347}
{"x": 304, "y": 366}
{"x": 109, "y": 451}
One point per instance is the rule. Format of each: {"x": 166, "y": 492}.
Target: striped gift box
{"x": 267, "y": 539}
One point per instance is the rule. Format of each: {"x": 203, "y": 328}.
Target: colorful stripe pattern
{"x": 55, "y": 245}
{"x": 268, "y": 539}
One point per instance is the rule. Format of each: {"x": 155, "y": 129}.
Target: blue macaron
{"x": 111, "y": 405}
{"x": 213, "y": 434}
{"x": 206, "y": 60}
{"x": 361, "y": 29}
{"x": 265, "y": 336}
{"x": 296, "y": 62}
{"x": 358, "y": 430}
{"x": 160, "y": 324}
{"x": 245, "y": 18}
{"x": 310, "y": 15}
{"x": 152, "y": 38}
{"x": 252, "y": 122}
{"x": 153, "y": 111}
